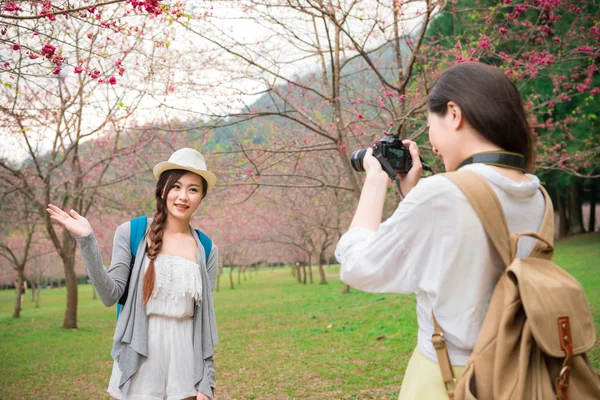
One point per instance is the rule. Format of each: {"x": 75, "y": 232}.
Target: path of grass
{"x": 279, "y": 339}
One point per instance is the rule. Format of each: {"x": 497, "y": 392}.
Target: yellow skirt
{"x": 423, "y": 379}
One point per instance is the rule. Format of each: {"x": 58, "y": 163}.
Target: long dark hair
{"x": 165, "y": 183}
{"x": 489, "y": 102}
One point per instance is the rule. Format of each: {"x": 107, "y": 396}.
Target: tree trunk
{"x": 219, "y": 273}
{"x": 575, "y": 215}
{"x": 298, "y": 274}
{"x": 240, "y": 275}
{"x": 592, "y": 219}
{"x": 562, "y": 214}
{"x": 231, "y": 277}
{"x": 94, "y": 297}
{"x": 38, "y": 290}
{"x": 346, "y": 289}
{"x": 304, "y": 274}
{"x": 322, "y": 271}
{"x": 18, "y": 293}
{"x": 70, "y": 321}
{"x": 310, "y": 275}
{"x": 68, "y": 258}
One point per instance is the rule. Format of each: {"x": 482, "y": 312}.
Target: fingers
{"x": 74, "y": 214}
{"x": 370, "y": 163}
{"x": 414, "y": 153}
{"x": 57, "y": 211}
{"x": 59, "y": 215}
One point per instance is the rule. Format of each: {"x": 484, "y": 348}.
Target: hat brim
{"x": 161, "y": 167}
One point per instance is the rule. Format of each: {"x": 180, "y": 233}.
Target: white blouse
{"x": 435, "y": 246}
{"x": 178, "y": 286}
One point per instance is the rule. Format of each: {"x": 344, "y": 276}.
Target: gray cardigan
{"x": 130, "y": 348}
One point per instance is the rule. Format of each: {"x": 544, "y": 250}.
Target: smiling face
{"x": 185, "y": 196}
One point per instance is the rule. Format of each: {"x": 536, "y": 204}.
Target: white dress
{"x": 168, "y": 373}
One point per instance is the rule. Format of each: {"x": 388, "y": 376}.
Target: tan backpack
{"x": 538, "y": 325}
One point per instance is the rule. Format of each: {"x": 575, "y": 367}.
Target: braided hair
{"x": 165, "y": 183}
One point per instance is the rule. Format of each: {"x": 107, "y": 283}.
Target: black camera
{"x": 389, "y": 148}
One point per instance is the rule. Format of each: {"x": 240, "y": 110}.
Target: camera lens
{"x": 357, "y": 160}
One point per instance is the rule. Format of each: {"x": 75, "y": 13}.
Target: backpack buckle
{"x": 438, "y": 340}
{"x": 451, "y": 387}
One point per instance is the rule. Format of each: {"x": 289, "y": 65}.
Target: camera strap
{"x": 503, "y": 159}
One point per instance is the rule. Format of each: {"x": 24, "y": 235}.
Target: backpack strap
{"x": 206, "y": 243}
{"x": 441, "y": 350}
{"x": 137, "y": 229}
{"x": 544, "y": 246}
{"x": 488, "y": 208}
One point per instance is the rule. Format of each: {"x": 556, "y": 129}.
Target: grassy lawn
{"x": 279, "y": 339}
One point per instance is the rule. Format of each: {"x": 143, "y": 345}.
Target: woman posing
{"x": 164, "y": 338}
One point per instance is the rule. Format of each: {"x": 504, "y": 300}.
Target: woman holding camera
{"x": 434, "y": 245}
{"x": 164, "y": 338}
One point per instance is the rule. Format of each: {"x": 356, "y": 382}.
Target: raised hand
{"x": 410, "y": 179}
{"x": 73, "y": 222}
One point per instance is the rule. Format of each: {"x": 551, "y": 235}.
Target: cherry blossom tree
{"x": 52, "y": 116}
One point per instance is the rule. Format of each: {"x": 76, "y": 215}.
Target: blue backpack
{"x": 138, "y": 229}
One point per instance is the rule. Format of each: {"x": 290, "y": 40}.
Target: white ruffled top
{"x": 178, "y": 285}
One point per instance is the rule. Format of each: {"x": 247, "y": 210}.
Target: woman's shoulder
{"x": 126, "y": 226}
{"x": 432, "y": 189}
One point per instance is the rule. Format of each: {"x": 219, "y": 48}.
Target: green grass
{"x": 279, "y": 339}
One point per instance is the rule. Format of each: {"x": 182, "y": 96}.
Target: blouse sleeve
{"x": 407, "y": 247}
{"x": 110, "y": 285}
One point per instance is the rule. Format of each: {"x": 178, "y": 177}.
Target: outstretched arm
{"x": 110, "y": 285}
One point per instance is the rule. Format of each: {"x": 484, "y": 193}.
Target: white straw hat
{"x": 189, "y": 160}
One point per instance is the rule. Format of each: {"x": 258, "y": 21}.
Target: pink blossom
{"x": 550, "y": 105}
{"x": 484, "y": 42}
{"x": 48, "y": 50}
{"x": 16, "y": 47}
{"x": 33, "y": 56}
{"x": 556, "y": 39}
{"x": 595, "y": 90}
{"x": 78, "y": 69}
{"x": 56, "y": 71}
{"x": 382, "y": 105}
{"x": 12, "y": 7}
{"x": 112, "y": 80}
{"x": 503, "y": 31}
{"x": 360, "y": 116}
{"x": 585, "y": 49}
